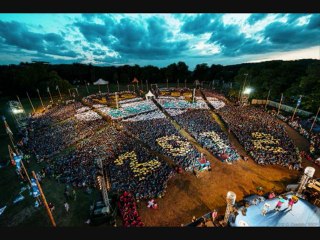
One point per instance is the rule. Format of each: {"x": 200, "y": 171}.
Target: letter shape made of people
{"x": 139, "y": 170}
{"x": 174, "y": 145}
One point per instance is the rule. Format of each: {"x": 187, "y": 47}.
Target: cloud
{"x": 200, "y": 24}
{"x": 17, "y": 34}
{"x": 156, "y": 38}
{"x": 288, "y": 36}
{"x": 256, "y": 17}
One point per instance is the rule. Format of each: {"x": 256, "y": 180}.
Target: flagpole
{"x": 59, "y": 92}
{"x": 118, "y": 86}
{"x": 86, "y": 86}
{"x": 117, "y": 100}
{"x": 108, "y": 87}
{"x": 147, "y": 85}
{"x": 44, "y": 200}
{"x": 50, "y": 94}
{"x": 9, "y": 132}
{"x": 314, "y": 121}
{"x": 294, "y": 112}
{"x": 280, "y": 104}
{"x": 31, "y": 102}
{"x": 265, "y": 107}
{"x": 185, "y": 83}
{"x": 21, "y": 104}
{"x": 40, "y": 98}
{"x": 167, "y": 83}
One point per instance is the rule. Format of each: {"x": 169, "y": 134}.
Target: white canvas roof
{"x": 100, "y": 82}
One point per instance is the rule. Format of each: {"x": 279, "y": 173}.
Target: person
{"x": 265, "y": 209}
{"x": 214, "y": 215}
{"x": 271, "y": 195}
{"x": 279, "y": 204}
{"x": 194, "y": 219}
{"x": 51, "y": 207}
{"x": 66, "y": 206}
{"x": 290, "y": 203}
{"x": 150, "y": 203}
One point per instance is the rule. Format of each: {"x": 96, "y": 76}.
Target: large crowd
{"x": 313, "y": 137}
{"x": 261, "y": 135}
{"x": 79, "y": 166}
{"x": 208, "y": 133}
{"x": 163, "y": 137}
{"x": 50, "y": 132}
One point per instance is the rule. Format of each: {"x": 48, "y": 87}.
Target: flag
{"x": 37, "y": 90}
{"x": 35, "y": 189}
{"x": 17, "y": 159}
{"x": 48, "y": 90}
{"x": 299, "y": 101}
{"x": 57, "y": 87}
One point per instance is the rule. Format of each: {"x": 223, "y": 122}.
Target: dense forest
{"x": 292, "y": 78}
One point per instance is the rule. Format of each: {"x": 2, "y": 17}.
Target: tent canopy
{"x": 135, "y": 80}
{"x": 101, "y": 82}
{"x": 149, "y": 94}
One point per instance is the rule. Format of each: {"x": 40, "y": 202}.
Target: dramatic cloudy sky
{"x": 158, "y": 39}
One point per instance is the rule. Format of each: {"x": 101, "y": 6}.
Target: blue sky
{"x": 158, "y": 39}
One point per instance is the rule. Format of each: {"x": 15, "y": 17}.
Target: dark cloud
{"x": 288, "y": 36}
{"x": 314, "y": 22}
{"x": 256, "y": 17}
{"x": 92, "y": 31}
{"x": 144, "y": 38}
{"x": 18, "y": 35}
{"x": 200, "y": 24}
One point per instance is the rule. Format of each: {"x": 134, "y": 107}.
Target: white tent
{"x": 149, "y": 95}
{"x": 101, "y": 82}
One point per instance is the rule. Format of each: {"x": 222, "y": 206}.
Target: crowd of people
{"x": 142, "y": 173}
{"x": 313, "y": 137}
{"x": 261, "y": 135}
{"x": 129, "y": 212}
{"x": 55, "y": 133}
{"x": 162, "y": 137}
{"x": 208, "y": 133}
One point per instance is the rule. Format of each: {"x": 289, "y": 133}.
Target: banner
{"x": 35, "y": 189}
{"x": 17, "y": 159}
{"x": 299, "y": 101}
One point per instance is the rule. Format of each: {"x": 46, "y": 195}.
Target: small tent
{"x": 149, "y": 95}
{"x": 135, "y": 80}
{"x": 100, "y": 82}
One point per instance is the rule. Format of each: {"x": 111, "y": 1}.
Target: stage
{"x": 303, "y": 214}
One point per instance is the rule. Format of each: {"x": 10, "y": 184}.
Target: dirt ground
{"x": 188, "y": 196}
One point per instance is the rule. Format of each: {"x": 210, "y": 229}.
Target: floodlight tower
{"x": 308, "y": 173}
{"x": 231, "y": 199}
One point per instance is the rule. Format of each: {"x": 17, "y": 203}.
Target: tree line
{"x": 292, "y": 78}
